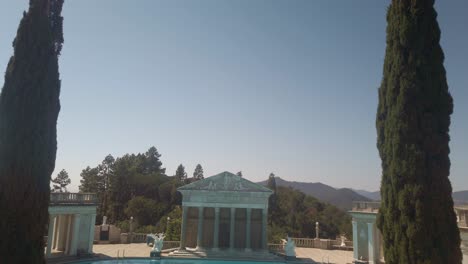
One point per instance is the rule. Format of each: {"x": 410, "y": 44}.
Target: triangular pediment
{"x": 225, "y": 181}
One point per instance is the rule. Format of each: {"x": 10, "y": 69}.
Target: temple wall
{"x": 239, "y": 239}
{"x": 208, "y": 228}
{"x": 256, "y": 229}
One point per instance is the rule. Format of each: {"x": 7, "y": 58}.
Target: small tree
{"x": 61, "y": 182}
{"x": 180, "y": 174}
{"x": 239, "y": 173}
{"x": 198, "y": 173}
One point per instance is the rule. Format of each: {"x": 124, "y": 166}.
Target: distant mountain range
{"x": 341, "y": 198}
{"x": 460, "y": 197}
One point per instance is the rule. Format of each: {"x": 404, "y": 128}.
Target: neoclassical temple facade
{"x": 226, "y": 212}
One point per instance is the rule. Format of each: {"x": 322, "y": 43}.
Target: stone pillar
{"x": 50, "y": 234}
{"x": 76, "y": 234}
{"x": 67, "y": 239}
{"x": 216, "y": 229}
{"x": 355, "y": 240}
{"x": 247, "y": 229}
{"x": 92, "y": 222}
{"x": 370, "y": 245}
{"x": 232, "y": 225}
{"x": 61, "y": 232}
{"x": 264, "y": 229}
{"x": 56, "y": 231}
{"x": 200, "y": 228}
{"x": 184, "y": 227}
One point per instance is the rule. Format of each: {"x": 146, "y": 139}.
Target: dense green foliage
{"x": 417, "y": 219}
{"x": 61, "y": 182}
{"x": 29, "y": 108}
{"x": 132, "y": 185}
{"x": 296, "y": 213}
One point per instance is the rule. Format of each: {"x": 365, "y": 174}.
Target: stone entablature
{"x": 228, "y": 204}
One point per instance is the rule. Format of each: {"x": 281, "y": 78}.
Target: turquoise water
{"x": 177, "y": 261}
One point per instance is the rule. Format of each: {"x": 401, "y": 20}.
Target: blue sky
{"x": 288, "y": 87}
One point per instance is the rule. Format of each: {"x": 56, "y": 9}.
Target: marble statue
{"x": 157, "y": 244}
{"x": 343, "y": 239}
{"x": 290, "y": 248}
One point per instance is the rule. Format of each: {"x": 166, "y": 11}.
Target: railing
{"x": 73, "y": 198}
{"x": 170, "y": 244}
{"x": 138, "y": 238}
{"x": 360, "y": 206}
{"x": 276, "y": 248}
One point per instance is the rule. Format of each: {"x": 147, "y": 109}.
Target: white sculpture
{"x": 158, "y": 241}
{"x": 290, "y": 248}
{"x": 343, "y": 239}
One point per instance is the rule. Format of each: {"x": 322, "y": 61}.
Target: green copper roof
{"x": 225, "y": 181}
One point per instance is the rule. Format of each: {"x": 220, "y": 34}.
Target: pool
{"x": 177, "y": 261}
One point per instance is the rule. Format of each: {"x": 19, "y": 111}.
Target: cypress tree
{"x": 29, "y": 107}
{"x": 416, "y": 217}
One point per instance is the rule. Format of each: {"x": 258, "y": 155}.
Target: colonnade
{"x": 370, "y": 249}
{"x": 216, "y": 227}
{"x": 64, "y": 232}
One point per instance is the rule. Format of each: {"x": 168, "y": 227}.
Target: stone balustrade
{"x": 73, "y": 198}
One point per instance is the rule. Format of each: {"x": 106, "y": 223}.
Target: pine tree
{"x": 29, "y": 108}
{"x": 61, "y": 182}
{"x": 153, "y": 163}
{"x": 417, "y": 219}
{"x": 180, "y": 174}
{"x": 198, "y": 173}
{"x": 89, "y": 180}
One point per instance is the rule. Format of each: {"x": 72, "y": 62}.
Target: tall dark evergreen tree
{"x": 89, "y": 180}
{"x": 105, "y": 173}
{"x": 153, "y": 164}
{"x": 273, "y": 199}
{"x": 180, "y": 174}
{"x": 198, "y": 173}
{"x": 417, "y": 219}
{"x": 29, "y": 108}
{"x": 61, "y": 182}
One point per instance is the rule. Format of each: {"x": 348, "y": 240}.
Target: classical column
{"x": 75, "y": 236}
{"x": 231, "y": 232}
{"x": 247, "y": 229}
{"x": 184, "y": 226}
{"x": 50, "y": 234}
{"x": 69, "y": 234}
{"x": 264, "y": 228}
{"x": 92, "y": 222}
{"x": 355, "y": 240}
{"x": 56, "y": 231}
{"x": 370, "y": 237}
{"x": 61, "y": 232}
{"x": 200, "y": 228}
{"x": 216, "y": 229}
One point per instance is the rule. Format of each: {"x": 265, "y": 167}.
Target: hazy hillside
{"x": 341, "y": 198}
{"x": 460, "y": 197}
{"x": 371, "y": 195}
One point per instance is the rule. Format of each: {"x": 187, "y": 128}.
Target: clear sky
{"x": 288, "y": 87}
